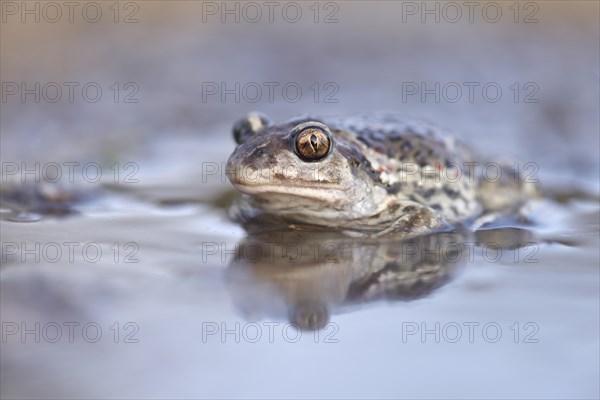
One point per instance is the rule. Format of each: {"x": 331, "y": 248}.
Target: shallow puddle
{"x": 139, "y": 284}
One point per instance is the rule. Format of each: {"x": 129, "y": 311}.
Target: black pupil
{"x": 313, "y": 141}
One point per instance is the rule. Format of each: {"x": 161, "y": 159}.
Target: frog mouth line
{"x": 323, "y": 194}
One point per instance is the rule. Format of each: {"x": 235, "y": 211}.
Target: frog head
{"x": 303, "y": 168}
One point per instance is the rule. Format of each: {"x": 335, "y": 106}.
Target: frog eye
{"x": 248, "y": 126}
{"x": 313, "y": 141}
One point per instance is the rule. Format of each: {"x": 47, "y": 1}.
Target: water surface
{"x": 190, "y": 304}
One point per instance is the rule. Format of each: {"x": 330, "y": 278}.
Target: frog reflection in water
{"x": 368, "y": 174}
{"x": 372, "y": 207}
{"x": 307, "y": 275}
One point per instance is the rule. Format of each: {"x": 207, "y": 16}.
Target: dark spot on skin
{"x": 436, "y": 207}
{"x": 393, "y": 208}
{"x": 354, "y": 162}
{"x": 379, "y": 137}
{"x": 406, "y": 146}
{"x": 426, "y": 193}
{"x": 394, "y": 188}
{"x": 453, "y": 194}
{"x": 356, "y": 159}
{"x": 409, "y": 209}
{"x": 392, "y": 266}
{"x": 364, "y": 140}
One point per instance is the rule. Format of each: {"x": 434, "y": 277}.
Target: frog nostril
{"x": 256, "y": 153}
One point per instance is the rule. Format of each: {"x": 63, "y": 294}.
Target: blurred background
{"x": 150, "y": 89}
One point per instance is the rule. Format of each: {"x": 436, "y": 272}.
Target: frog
{"x": 372, "y": 173}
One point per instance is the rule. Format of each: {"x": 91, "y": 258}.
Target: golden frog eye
{"x": 313, "y": 141}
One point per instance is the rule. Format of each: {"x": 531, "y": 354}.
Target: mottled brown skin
{"x": 382, "y": 174}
